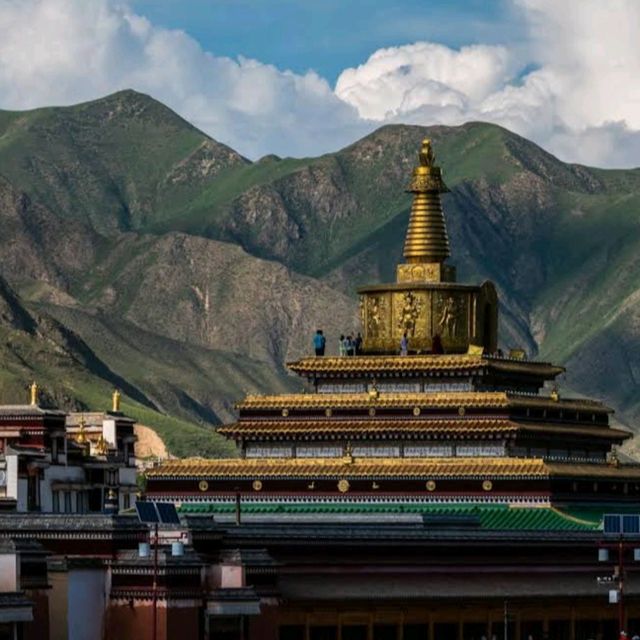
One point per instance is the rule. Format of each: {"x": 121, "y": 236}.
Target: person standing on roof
{"x": 319, "y": 342}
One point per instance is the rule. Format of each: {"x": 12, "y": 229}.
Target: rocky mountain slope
{"x": 193, "y": 274}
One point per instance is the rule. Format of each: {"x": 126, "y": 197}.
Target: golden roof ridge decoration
{"x": 34, "y": 391}
{"x": 81, "y": 435}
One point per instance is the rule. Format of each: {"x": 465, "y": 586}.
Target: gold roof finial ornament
{"x": 348, "y": 454}
{"x": 81, "y": 438}
{"x": 115, "y": 401}
{"x": 102, "y": 448}
{"x": 33, "y": 394}
{"x": 427, "y": 241}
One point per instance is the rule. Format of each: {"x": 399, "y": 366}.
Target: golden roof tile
{"x": 359, "y": 427}
{"x": 246, "y": 428}
{"x": 399, "y": 400}
{"x": 496, "y": 399}
{"x": 349, "y": 467}
{"x": 424, "y": 363}
{"x": 386, "y": 363}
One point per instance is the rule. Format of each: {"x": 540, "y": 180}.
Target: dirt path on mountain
{"x": 149, "y": 444}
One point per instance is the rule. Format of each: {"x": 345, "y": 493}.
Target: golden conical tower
{"x": 426, "y": 246}
{"x": 425, "y": 306}
{"x": 427, "y": 240}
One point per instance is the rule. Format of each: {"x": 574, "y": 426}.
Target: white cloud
{"x": 67, "y": 51}
{"x": 398, "y": 80}
{"x": 580, "y": 101}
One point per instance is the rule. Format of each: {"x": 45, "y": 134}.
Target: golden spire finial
{"x": 102, "y": 448}
{"x": 33, "y": 394}
{"x": 427, "y": 241}
{"x": 115, "y": 401}
{"x": 81, "y": 438}
{"x": 426, "y": 156}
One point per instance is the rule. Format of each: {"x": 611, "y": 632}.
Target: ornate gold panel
{"x": 409, "y": 314}
{"x": 377, "y": 311}
{"x": 420, "y": 272}
{"x": 451, "y": 318}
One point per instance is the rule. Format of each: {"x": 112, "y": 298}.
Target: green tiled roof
{"x": 497, "y": 517}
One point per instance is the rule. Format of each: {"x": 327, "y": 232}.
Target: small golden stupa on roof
{"x": 425, "y": 302}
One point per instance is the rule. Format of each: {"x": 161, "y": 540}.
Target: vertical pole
{"x": 238, "y": 517}
{"x": 621, "y": 587}
{"x": 506, "y": 620}
{"x": 154, "y": 608}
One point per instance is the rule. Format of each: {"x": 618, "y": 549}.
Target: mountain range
{"x": 138, "y": 252}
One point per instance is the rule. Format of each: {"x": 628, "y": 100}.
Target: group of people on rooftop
{"x": 350, "y": 346}
{"x": 347, "y": 345}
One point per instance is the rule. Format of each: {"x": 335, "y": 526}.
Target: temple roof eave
{"x": 390, "y": 428}
{"x": 449, "y": 399}
{"x": 349, "y": 467}
{"x": 425, "y": 364}
{"x": 390, "y": 468}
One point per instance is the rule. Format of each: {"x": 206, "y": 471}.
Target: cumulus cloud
{"x": 571, "y": 86}
{"x": 67, "y": 51}
{"x": 398, "y": 80}
{"x": 581, "y": 100}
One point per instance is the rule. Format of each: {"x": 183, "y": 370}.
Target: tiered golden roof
{"x": 387, "y": 468}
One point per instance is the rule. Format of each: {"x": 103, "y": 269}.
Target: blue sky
{"x": 330, "y": 35}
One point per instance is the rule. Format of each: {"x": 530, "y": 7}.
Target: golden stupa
{"x": 426, "y": 302}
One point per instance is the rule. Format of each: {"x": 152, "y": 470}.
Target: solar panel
{"x": 147, "y": 512}
{"x": 167, "y": 512}
{"x": 612, "y": 523}
{"x": 625, "y": 524}
{"x": 631, "y": 524}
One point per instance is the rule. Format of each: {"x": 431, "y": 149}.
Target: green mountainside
{"x": 186, "y": 275}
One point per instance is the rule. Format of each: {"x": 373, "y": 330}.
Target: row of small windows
{"x": 520, "y": 413}
{"x": 395, "y": 387}
{"x": 432, "y": 450}
{"x": 383, "y": 450}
